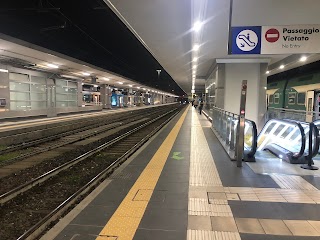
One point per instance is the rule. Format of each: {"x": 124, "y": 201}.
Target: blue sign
{"x": 114, "y": 100}
{"x": 246, "y": 40}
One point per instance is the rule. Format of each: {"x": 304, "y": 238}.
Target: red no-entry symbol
{"x": 272, "y": 35}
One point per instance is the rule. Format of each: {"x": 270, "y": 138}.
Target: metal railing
{"x": 298, "y": 115}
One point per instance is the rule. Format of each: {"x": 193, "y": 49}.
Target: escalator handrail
{"x": 303, "y": 136}
{"x": 303, "y": 141}
{"x": 316, "y": 139}
{"x": 313, "y": 127}
{"x": 254, "y": 138}
{"x": 316, "y": 122}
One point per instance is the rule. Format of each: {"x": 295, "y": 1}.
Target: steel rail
{"x": 23, "y": 188}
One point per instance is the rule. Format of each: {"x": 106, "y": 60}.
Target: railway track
{"x": 19, "y": 152}
{"x": 54, "y": 131}
{"x": 43, "y": 200}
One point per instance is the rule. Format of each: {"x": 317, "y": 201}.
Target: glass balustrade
{"x": 225, "y": 125}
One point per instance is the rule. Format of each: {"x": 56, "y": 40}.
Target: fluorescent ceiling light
{"x": 196, "y": 47}
{"x": 120, "y": 82}
{"x": 197, "y": 26}
{"x": 281, "y": 67}
{"x": 3, "y": 70}
{"x": 52, "y": 65}
{"x": 138, "y": 87}
{"x": 195, "y": 59}
{"x": 85, "y": 74}
{"x": 69, "y": 76}
{"x": 303, "y": 59}
{"x": 267, "y": 72}
{"x": 107, "y": 79}
{"x": 130, "y": 85}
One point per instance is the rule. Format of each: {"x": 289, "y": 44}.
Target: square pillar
{"x": 105, "y": 96}
{"x": 230, "y": 73}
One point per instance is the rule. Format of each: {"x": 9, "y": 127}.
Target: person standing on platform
{"x": 201, "y": 106}
{"x": 196, "y": 103}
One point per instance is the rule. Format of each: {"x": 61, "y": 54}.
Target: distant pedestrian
{"x": 196, "y": 103}
{"x": 201, "y": 106}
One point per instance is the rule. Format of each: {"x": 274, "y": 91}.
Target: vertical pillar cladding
{"x": 262, "y": 107}
{"x": 254, "y": 72}
{"x": 125, "y": 97}
{"x": 220, "y": 85}
{"x": 4, "y": 90}
{"x": 51, "y": 98}
{"x": 80, "y": 96}
{"x": 105, "y": 92}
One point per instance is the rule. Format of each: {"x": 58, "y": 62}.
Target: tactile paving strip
{"x": 203, "y": 171}
{"x": 292, "y": 182}
{"x": 211, "y": 235}
{"x": 201, "y": 207}
{"x": 204, "y": 176}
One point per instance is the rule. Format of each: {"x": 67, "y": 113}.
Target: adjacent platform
{"x": 182, "y": 185}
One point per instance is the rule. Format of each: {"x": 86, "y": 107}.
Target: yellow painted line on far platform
{"x": 126, "y": 219}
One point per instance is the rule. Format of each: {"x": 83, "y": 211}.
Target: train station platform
{"x": 182, "y": 185}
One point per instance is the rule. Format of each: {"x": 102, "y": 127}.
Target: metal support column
{"x": 241, "y": 123}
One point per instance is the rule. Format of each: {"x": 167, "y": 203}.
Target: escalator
{"x": 289, "y": 140}
{"x": 285, "y": 139}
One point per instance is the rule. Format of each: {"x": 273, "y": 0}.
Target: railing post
{"x": 228, "y": 130}
{"x": 310, "y": 152}
{"x": 241, "y": 123}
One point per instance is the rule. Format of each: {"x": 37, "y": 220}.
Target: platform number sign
{"x": 246, "y": 40}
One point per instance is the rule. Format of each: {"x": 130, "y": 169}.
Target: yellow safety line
{"x": 126, "y": 219}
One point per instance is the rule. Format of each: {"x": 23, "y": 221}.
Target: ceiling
{"x": 134, "y": 39}
{"x": 15, "y": 53}
{"x": 166, "y": 28}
